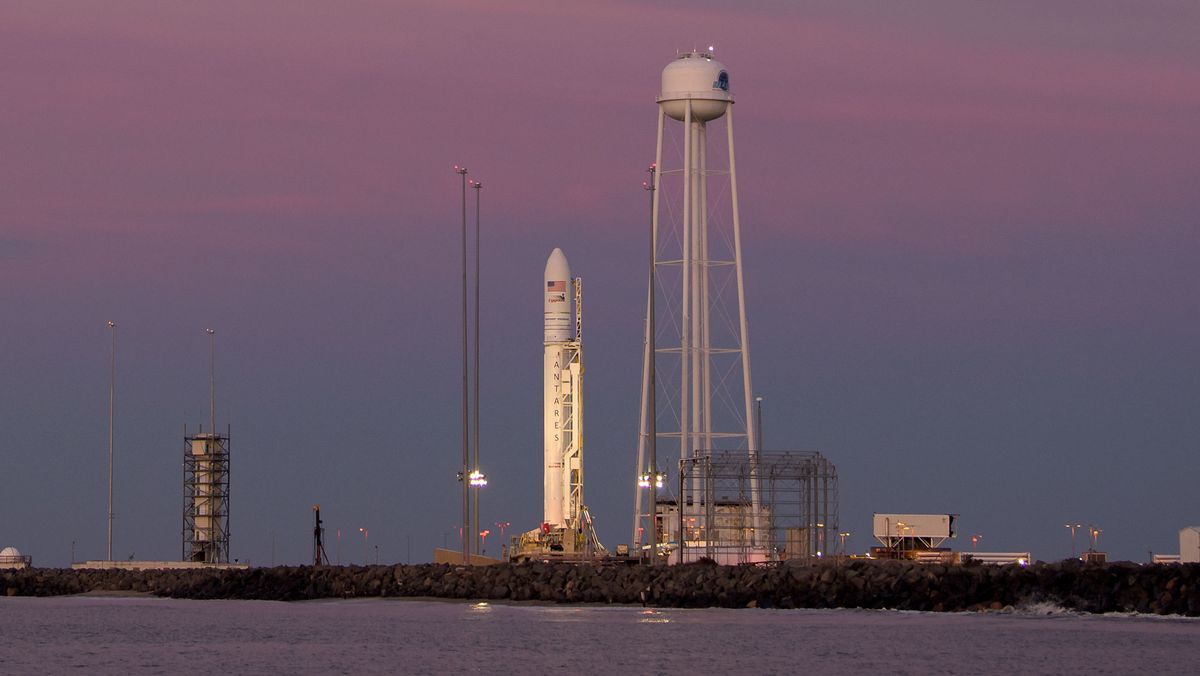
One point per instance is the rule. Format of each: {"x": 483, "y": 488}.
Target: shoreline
{"x": 1171, "y": 590}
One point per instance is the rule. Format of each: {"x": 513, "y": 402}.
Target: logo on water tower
{"x": 722, "y": 82}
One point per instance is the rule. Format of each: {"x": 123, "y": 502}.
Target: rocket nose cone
{"x": 557, "y": 267}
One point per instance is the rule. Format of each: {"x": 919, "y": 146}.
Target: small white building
{"x": 11, "y": 559}
{"x": 1189, "y": 545}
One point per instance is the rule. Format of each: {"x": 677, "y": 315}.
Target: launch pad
{"x": 559, "y": 544}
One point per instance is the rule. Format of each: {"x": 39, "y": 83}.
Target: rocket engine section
{"x": 562, "y": 397}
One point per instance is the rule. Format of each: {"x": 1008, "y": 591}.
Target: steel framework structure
{"x": 796, "y": 516}
{"x": 206, "y": 497}
{"x": 573, "y": 420}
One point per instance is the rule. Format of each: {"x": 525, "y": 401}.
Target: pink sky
{"x": 999, "y": 183}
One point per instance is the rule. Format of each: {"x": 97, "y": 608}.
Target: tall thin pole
{"x": 466, "y": 440}
{"x": 647, "y": 357}
{"x": 651, "y": 386}
{"x": 475, "y": 529}
{"x": 1073, "y": 528}
{"x": 752, "y": 444}
{"x": 699, "y": 301}
{"x": 685, "y": 318}
{"x": 758, "y": 421}
{"x": 213, "y": 445}
{"x": 112, "y": 400}
{"x": 212, "y": 381}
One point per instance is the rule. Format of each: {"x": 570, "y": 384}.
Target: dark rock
{"x": 866, "y": 584}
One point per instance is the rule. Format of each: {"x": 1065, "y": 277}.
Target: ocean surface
{"x": 100, "y": 634}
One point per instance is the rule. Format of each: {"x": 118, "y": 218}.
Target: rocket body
{"x": 559, "y": 434}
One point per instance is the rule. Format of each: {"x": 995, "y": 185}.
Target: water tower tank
{"x": 697, "y": 77}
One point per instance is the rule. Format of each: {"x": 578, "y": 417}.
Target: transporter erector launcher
{"x": 562, "y": 396}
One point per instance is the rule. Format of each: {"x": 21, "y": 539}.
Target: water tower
{"x": 696, "y": 363}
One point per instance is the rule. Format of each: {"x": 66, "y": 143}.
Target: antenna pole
{"x": 652, "y": 386}
{"x": 212, "y": 380}
{"x": 475, "y": 529}
{"x": 319, "y": 557}
{"x": 466, "y": 440}
{"x": 112, "y": 398}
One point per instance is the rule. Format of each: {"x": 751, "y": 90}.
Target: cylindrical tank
{"x": 699, "y": 78}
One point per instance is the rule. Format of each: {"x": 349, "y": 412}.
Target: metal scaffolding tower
{"x": 206, "y": 497}
{"x": 796, "y": 517}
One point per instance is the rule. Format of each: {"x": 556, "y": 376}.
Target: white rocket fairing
{"x": 562, "y": 401}
{"x": 558, "y": 300}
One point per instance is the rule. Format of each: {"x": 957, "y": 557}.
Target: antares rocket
{"x": 562, "y": 396}
{"x": 567, "y": 530}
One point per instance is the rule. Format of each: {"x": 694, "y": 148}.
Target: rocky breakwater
{"x": 1118, "y": 587}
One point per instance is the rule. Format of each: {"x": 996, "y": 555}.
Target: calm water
{"x": 149, "y": 635}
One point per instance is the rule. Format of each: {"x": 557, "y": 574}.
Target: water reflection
{"x": 651, "y": 616}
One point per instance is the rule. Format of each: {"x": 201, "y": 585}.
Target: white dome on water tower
{"x": 698, "y": 77}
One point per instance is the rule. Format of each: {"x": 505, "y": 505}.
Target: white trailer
{"x": 1189, "y": 545}
{"x": 913, "y": 531}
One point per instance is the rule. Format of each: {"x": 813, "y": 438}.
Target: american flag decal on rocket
{"x": 560, "y": 285}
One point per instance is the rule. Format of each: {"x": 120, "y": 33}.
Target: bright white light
{"x": 477, "y": 479}
{"x": 644, "y": 480}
